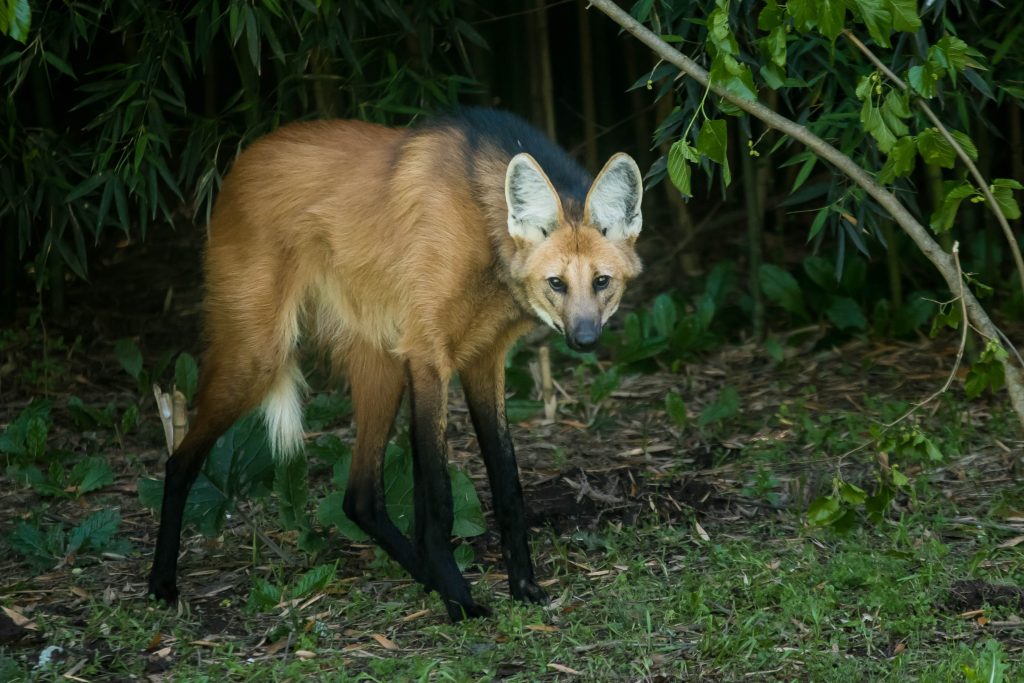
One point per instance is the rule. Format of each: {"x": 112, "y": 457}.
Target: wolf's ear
{"x": 533, "y": 206}
{"x": 613, "y": 203}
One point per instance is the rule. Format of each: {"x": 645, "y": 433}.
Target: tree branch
{"x": 942, "y": 261}
{"x": 960, "y": 152}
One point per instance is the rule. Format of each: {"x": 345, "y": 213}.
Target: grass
{"x": 756, "y": 599}
{"x": 708, "y": 571}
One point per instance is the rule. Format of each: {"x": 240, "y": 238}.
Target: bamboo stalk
{"x": 942, "y": 261}
{"x": 587, "y": 89}
{"x": 547, "y": 88}
{"x": 546, "y": 384}
{"x": 755, "y": 237}
{"x": 180, "y": 411}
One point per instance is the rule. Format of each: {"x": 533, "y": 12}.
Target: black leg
{"x": 182, "y": 470}
{"x": 433, "y": 492}
{"x": 485, "y": 393}
{"x": 377, "y": 382}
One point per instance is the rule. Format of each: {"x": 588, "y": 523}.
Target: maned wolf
{"x": 407, "y": 256}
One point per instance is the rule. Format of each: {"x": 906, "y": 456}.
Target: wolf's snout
{"x": 583, "y": 335}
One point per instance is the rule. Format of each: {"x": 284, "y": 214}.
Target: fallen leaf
{"x": 563, "y": 669}
{"x": 384, "y": 641}
{"x": 416, "y": 615}
{"x": 545, "y": 628}
{"x": 17, "y": 617}
{"x": 1011, "y": 542}
{"x": 700, "y": 531}
{"x": 305, "y": 654}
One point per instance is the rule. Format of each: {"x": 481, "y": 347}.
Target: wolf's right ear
{"x": 533, "y": 205}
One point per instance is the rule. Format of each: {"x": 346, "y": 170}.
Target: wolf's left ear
{"x": 613, "y": 203}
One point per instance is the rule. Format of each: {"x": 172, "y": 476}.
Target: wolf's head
{"x": 574, "y": 272}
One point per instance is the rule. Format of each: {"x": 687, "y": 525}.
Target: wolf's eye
{"x": 557, "y": 284}
{"x": 601, "y": 282}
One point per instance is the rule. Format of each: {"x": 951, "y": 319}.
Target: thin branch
{"x": 959, "y": 353}
{"x": 960, "y": 152}
{"x": 942, "y": 261}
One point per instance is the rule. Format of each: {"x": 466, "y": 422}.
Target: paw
{"x": 163, "y": 590}
{"x": 526, "y": 590}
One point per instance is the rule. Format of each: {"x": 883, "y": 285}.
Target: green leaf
{"x": 95, "y": 532}
{"x": 186, "y": 375}
{"x": 805, "y": 170}
{"x": 901, "y": 161}
{"x": 818, "y": 223}
{"x": 1002, "y": 190}
{"x": 725, "y": 405}
{"x": 151, "y": 492}
{"x": 58, "y": 63}
{"x": 954, "y": 193}
{"x": 326, "y": 410}
{"x": 664, "y": 315}
{"x": 824, "y": 511}
{"x": 316, "y": 579}
{"x": 16, "y": 19}
{"x": 771, "y": 16}
{"x": 642, "y": 9}
{"x": 876, "y": 16}
{"x": 676, "y": 409}
{"x": 398, "y": 486}
{"x": 91, "y": 474}
{"x": 713, "y": 143}
{"x": 264, "y": 596}
{"x": 239, "y": 466}
{"x": 679, "y": 171}
{"x": 291, "y": 484}
{"x": 31, "y": 542}
{"x": 966, "y": 143}
{"x": 782, "y": 288}
{"x": 464, "y": 556}
{"x": 774, "y": 349}
{"x": 522, "y": 409}
{"x": 846, "y": 314}
{"x": 831, "y": 17}
{"x": 776, "y": 46}
{"x": 87, "y": 417}
{"x": 882, "y": 124}
{"x": 854, "y": 495}
{"x": 26, "y": 435}
{"x": 957, "y": 54}
{"x": 129, "y": 356}
{"x": 734, "y": 76}
{"x": 935, "y": 149}
{"x": 331, "y": 511}
{"x": 898, "y": 478}
{"x": 904, "y": 15}
{"x": 804, "y": 13}
{"x": 469, "y": 517}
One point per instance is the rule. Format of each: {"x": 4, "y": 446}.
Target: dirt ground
{"x": 634, "y": 463}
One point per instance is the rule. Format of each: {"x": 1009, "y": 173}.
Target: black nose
{"x": 583, "y": 335}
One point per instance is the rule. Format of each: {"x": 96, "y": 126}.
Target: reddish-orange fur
{"x": 375, "y": 245}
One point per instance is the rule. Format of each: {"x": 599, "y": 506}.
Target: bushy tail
{"x": 282, "y": 411}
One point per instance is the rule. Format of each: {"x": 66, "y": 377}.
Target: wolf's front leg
{"x": 432, "y": 491}
{"x": 484, "y": 384}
